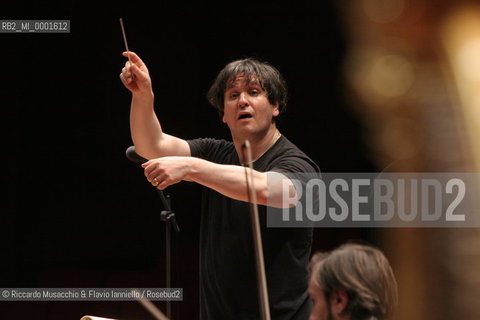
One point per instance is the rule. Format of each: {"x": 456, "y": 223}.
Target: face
{"x": 247, "y": 110}
{"x": 321, "y": 307}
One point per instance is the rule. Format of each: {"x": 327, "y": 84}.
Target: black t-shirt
{"x": 228, "y": 281}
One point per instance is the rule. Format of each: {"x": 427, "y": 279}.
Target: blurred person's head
{"x": 352, "y": 282}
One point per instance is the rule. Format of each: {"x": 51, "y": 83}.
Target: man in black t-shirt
{"x": 249, "y": 95}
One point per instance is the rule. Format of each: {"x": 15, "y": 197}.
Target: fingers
{"x": 163, "y": 185}
{"x": 160, "y": 181}
{"x": 137, "y": 73}
{"x": 131, "y": 72}
{"x": 156, "y": 175}
{"x": 134, "y": 74}
{"x": 151, "y": 170}
{"x": 133, "y": 57}
{"x": 126, "y": 79}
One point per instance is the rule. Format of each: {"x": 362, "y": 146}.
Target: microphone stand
{"x": 257, "y": 237}
{"x": 168, "y": 217}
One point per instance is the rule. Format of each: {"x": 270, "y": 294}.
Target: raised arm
{"x": 147, "y": 135}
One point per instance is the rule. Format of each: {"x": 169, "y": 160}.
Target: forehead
{"x": 316, "y": 292}
{"x": 241, "y": 80}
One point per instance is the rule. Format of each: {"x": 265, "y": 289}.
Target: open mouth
{"x": 244, "y": 116}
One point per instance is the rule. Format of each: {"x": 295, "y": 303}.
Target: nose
{"x": 242, "y": 100}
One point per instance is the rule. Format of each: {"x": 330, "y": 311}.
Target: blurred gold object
{"x": 412, "y": 73}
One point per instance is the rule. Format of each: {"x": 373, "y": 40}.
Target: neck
{"x": 258, "y": 145}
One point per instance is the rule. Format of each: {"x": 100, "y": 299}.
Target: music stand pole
{"x": 257, "y": 236}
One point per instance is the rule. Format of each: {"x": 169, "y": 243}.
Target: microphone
{"x": 133, "y": 156}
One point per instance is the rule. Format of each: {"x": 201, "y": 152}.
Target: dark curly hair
{"x": 268, "y": 76}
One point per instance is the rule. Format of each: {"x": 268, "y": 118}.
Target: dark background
{"x": 74, "y": 211}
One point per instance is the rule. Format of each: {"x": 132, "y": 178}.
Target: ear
{"x": 338, "y": 302}
{"x": 276, "y": 110}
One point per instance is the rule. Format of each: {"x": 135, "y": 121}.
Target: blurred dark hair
{"x": 364, "y": 273}
{"x": 268, "y": 77}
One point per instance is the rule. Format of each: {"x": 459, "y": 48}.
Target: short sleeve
{"x": 214, "y": 150}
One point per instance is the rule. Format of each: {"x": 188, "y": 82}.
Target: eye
{"x": 254, "y": 92}
{"x": 233, "y": 95}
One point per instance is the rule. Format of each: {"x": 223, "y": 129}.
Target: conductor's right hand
{"x": 135, "y": 75}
